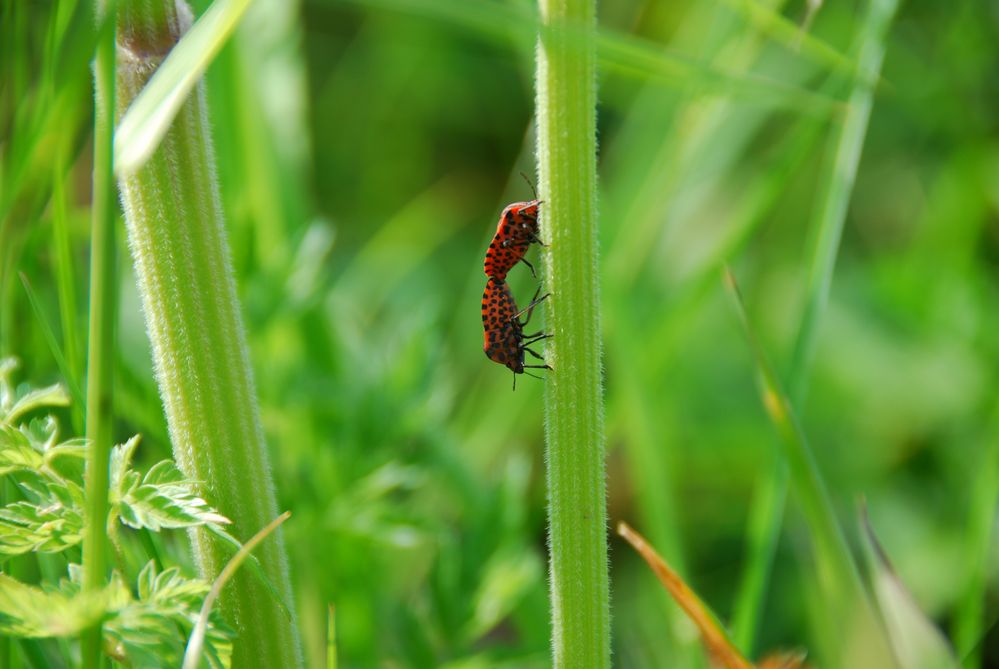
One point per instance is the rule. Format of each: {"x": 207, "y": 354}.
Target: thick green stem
{"x": 566, "y": 85}
{"x": 177, "y": 237}
{"x": 100, "y": 353}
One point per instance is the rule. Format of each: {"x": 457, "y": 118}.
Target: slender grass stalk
{"x": 858, "y": 637}
{"x": 766, "y": 515}
{"x": 64, "y": 273}
{"x": 566, "y": 90}
{"x": 100, "y": 355}
{"x": 178, "y": 243}
{"x": 839, "y": 188}
{"x": 62, "y": 250}
{"x": 767, "y": 511}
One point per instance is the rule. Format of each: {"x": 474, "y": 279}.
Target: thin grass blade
{"x": 150, "y": 115}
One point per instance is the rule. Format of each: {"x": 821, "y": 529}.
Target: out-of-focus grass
{"x": 365, "y": 153}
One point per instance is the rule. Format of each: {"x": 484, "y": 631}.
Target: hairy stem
{"x": 177, "y": 237}
{"x": 566, "y": 89}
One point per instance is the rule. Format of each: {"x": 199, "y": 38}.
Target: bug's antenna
{"x": 531, "y": 184}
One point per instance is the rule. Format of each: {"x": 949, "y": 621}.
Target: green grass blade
{"x": 766, "y": 515}
{"x": 792, "y": 36}
{"x": 839, "y": 187}
{"x": 767, "y": 510}
{"x": 836, "y": 572}
{"x": 196, "y": 644}
{"x": 626, "y": 54}
{"x": 65, "y": 278}
{"x": 74, "y": 389}
{"x": 151, "y": 113}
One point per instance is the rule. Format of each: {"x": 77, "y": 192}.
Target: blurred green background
{"x": 365, "y": 149}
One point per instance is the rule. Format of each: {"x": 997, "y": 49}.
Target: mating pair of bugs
{"x": 504, "y": 338}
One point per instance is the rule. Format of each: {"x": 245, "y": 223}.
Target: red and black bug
{"x": 504, "y": 340}
{"x": 516, "y": 231}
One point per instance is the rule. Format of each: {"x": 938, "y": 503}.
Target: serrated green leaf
{"x": 121, "y": 458}
{"x": 164, "y": 499}
{"x": 152, "y": 630}
{"x": 49, "y": 522}
{"x": 74, "y": 448}
{"x": 52, "y": 396}
{"x": 30, "y": 612}
{"x": 42, "y": 432}
{"x": 16, "y": 452}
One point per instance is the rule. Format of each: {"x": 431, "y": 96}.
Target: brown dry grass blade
{"x": 715, "y": 640}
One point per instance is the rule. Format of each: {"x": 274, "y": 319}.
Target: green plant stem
{"x": 566, "y": 90}
{"x": 178, "y": 242}
{"x": 100, "y": 355}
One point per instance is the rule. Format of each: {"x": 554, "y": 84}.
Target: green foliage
{"x": 162, "y": 498}
{"x": 152, "y": 629}
{"x": 147, "y": 628}
{"x": 30, "y": 612}
{"x": 364, "y": 150}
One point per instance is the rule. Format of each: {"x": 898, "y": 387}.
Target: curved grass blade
{"x": 197, "y": 641}
{"x": 715, "y": 639}
{"x": 150, "y": 115}
{"x": 78, "y": 404}
{"x": 626, "y": 54}
{"x": 836, "y": 571}
{"x": 916, "y": 640}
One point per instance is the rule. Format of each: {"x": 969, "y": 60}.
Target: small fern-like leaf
{"x": 165, "y": 498}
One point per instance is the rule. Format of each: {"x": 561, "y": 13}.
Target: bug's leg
{"x": 536, "y": 337}
{"x": 527, "y": 350}
{"x": 548, "y": 367}
{"x": 515, "y": 381}
{"x": 530, "y": 267}
{"x": 530, "y": 307}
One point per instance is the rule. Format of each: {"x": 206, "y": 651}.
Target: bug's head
{"x": 525, "y": 217}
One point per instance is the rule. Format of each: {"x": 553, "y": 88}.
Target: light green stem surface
{"x": 100, "y": 355}
{"x": 574, "y": 417}
{"x": 177, "y": 237}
